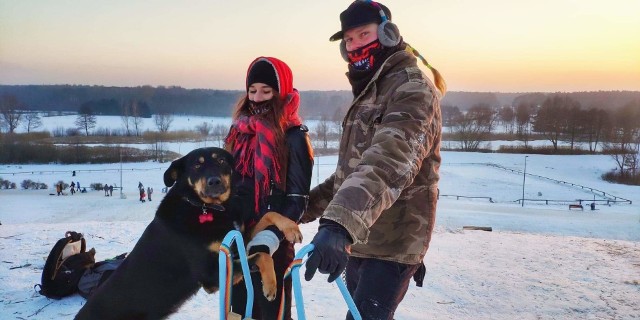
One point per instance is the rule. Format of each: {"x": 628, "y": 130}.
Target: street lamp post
{"x": 524, "y": 177}
{"x": 121, "y": 186}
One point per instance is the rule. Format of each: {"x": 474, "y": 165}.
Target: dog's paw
{"x": 290, "y": 229}
{"x": 287, "y": 226}
{"x": 269, "y": 290}
{"x": 292, "y": 234}
{"x": 264, "y": 263}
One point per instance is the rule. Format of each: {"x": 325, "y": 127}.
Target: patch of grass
{"x": 616, "y": 177}
{"x": 549, "y": 150}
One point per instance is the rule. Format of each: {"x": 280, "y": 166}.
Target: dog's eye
{"x": 197, "y": 166}
{"x": 221, "y": 161}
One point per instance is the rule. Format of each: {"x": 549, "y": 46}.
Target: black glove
{"x": 331, "y": 253}
{"x": 418, "y": 276}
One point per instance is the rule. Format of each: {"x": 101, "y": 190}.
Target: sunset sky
{"x": 490, "y": 45}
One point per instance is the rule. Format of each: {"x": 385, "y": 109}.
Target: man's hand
{"x": 331, "y": 253}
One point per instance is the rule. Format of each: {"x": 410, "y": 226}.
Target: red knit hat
{"x": 262, "y": 70}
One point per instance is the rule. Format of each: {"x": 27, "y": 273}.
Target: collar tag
{"x": 205, "y": 216}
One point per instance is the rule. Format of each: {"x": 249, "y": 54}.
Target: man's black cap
{"x": 358, "y": 14}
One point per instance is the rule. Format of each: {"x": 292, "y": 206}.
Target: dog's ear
{"x": 175, "y": 170}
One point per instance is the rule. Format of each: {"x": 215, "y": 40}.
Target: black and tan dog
{"x": 178, "y": 252}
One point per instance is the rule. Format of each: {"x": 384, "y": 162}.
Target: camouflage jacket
{"x": 385, "y": 187}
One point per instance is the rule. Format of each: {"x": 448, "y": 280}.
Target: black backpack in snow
{"x": 95, "y": 276}
{"x": 65, "y": 264}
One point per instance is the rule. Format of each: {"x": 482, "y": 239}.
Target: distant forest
{"x": 218, "y": 103}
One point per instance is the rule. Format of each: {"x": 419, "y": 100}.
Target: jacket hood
{"x": 283, "y": 74}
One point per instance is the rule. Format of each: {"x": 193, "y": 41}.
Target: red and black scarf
{"x": 255, "y": 147}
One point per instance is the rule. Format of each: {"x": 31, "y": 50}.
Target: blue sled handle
{"x": 224, "y": 256}
{"x": 297, "y": 286}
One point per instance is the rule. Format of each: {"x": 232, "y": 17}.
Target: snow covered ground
{"x": 540, "y": 262}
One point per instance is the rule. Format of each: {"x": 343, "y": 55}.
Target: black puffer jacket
{"x": 291, "y": 202}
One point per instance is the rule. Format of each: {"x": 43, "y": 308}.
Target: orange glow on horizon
{"x": 549, "y": 45}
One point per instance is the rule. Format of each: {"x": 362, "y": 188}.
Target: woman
{"x": 274, "y": 162}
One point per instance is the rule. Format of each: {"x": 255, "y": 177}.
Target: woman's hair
{"x": 274, "y": 115}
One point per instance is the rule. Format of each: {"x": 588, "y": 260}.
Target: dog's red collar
{"x": 206, "y": 215}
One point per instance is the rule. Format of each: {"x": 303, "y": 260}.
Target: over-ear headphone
{"x": 388, "y": 32}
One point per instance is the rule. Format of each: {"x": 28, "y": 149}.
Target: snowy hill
{"x": 540, "y": 261}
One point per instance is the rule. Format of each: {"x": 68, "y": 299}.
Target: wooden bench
{"x": 576, "y": 206}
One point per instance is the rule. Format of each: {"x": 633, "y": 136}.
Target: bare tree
{"x": 32, "y": 121}
{"x": 624, "y": 139}
{"x": 85, "y": 120}
{"x": 449, "y": 116}
{"x": 10, "y": 111}
{"x": 507, "y": 117}
{"x": 523, "y": 115}
{"x": 204, "y": 128}
{"x": 163, "y": 121}
{"x": 552, "y": 118}
{"x": 136, "y": 119}
{"x": 596, "y": 123}
{"x": 158, "y": 146}
{"x": 218, "y": 133}
{"x": 126, "y": 117}
{"x": 322, "y": 131}
{"x": 474, "y": 127}
{"x": 574, "y": 124}
{"x": 338, "y": 118}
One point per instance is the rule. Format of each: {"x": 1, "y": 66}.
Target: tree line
{"x": 156, "y": 100}
{"x": 558, "y": 118}
{"x": 219, "y": 103}
{"x": 13, "y": 114}
{"x": 611, "y": 127}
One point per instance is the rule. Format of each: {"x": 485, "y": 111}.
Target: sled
{"x": 225, "y": 261}
{"x": 225, "y": 275}
{"x": 294, "y": 272}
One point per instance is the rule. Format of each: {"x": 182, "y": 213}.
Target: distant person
{"x": 274, "y": 163}
{"x": 142, "y": 195}
{"x": 59, "y": 188}
{"x": 149, "y": 192}
{"x": 111, "y": 190}
{"x": 106, "y": 190}
{"x": 73, "y": 174}
{"x": 78, "y": 185}
{"x": 378, "y": 209}
{"x": 73, "y": 188}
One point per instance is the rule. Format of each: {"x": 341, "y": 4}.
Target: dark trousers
{"x": 377, "y": 286}
{"x": 263, "y": 308}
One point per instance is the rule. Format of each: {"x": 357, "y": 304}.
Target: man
{"x": 378, "y": 208}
